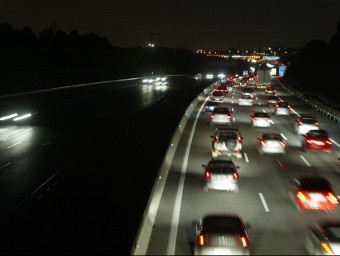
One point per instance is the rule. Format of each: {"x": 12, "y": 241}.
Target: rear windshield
{"x": 216, "y": 93}
{"x": 223, "y": 136}
{"x": 315, "y": 185}
{"x": 220, "y": 110}
{"x": 224, "y": 167}
{"x": 272, "y": 137}
{"x": 222, "y": 224}
{"x": 283, "y": 105}
{"x": 261, "y": 114}
{"x": 309, "y": 121}
{"x": 318, "y": 134}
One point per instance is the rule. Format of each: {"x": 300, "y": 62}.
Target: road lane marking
{"x": 177, "y": 208}
{"x": 333, "y": 141}
{"x": 14, "y": 144}
{"x": 7, "y": 164}
{"x": 246, "y": 157}
{"x": 284, "y": 137}
{"x": 304, "y": 159}
{"x": 264, "y": 203}
{"x": 281, "y": 165}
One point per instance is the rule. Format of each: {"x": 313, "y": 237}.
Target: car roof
{"x": 313, "y": 182}
{"x": 330, "y": 228}
{"x": 223, "y": 224}
{"x": 261, "y": 114}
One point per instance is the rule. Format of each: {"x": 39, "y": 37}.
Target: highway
{"x": 87, "y": 151}
{"x": 277, "y": 228}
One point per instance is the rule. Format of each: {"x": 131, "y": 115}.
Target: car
{"x": 248, "y": 91}
{"x": 226, "y": 142}
{"x": 305, "y": 123}
{"x": 271, "y": 143}
{"x": 221, "y": 234}
{"x": 245, "y": 100}
{"x": 210, "y": 105}
{"x": 221, "y": 115}
{"x": 217, "y": 96}
{"x": 260, "y": 119}
{"x": 272, "y": 100}
{"x": 316, "y": 140}
{"x": 270, "y": 90}
{"x": 282, "y": 108}
{"x": 243, "y": 82}
{"x": 230, "y": 85}
{"x": 221, "y": 174}
{"x": 313, "y": 192}
{"x": 323, "y": 238}
{"x": 223, "y": 88}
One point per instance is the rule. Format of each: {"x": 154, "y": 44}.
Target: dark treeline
{"x": 56, "y": 58}
{"x": 315, "y": 69}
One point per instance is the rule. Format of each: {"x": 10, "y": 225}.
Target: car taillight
{"x": 317, "y": 123}
{"x": 332, "y": 198}
{"x": 212, "y": 116}
{"x": 239, "y": 138}
{"x": 282, "y": 143}
{"x": 302, "y": 196}
{"x": 215, "y": 138}
{"x": 327, "y": 248}
{"x": 244, "y": 241}
{"x": 328, "y": 142}
{"x": 207, "y": 175}
{"x": 263, "y": 142}
{"x": 201, "y": 240}
{"x": 254, "y": 119}
{"x": 299, "y": 122}
{"x": 235, "y": 176}
{"x": 229, "y": 116}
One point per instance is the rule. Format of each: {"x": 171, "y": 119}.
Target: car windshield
{"x": 318, "y": 134}
{"x": 261, "y": 114}
{"x": 315, "y": 185}
{"x": 272, "y": 136}
{"x": 223, "y": 224}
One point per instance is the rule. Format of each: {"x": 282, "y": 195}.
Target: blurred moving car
{"x": 227, "y": 142}
{"x": 271, "y": 143}
{"x": 313, "y": 192}
{"x": 210, "y": 106}
{"x": 221, "y": 174}
{"x": 221, "y": 115}
{"x": 260, "y": 119}
{"x": 316, "y": 140}
{"x": 217, "y": 96}
{"x": 323, "y": 238}
{"x": 305, "y": 123}
{"x": 282, "y": 108}
{"x": 245, "y": 100}
{"x": 272, "y": 100}
{"x": 270, "y": 90}
{"x": 222, "y": 88}
{"x": 221, "y": 234}
{"x": 248, "y": 92}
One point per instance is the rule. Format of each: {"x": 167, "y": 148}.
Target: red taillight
{"x": 212, "y": 116}
{"x": 327, "y": 248}
{"x": 244, "y": 241}
{"x": 254, "y": 119}
{"x": 235, "y": 176}
{"x": 229, "y": 116}
{"x": 299, "y": 123}
{"x": 263, "y": 142}
{"x": 328, "y": 142}
{"x": 207, "y": 175}
{"x": 239, "y": 138}
{"x": 201, "y": 240}
{"x": 317, "y": 123}
{"x": 215, "y": 138}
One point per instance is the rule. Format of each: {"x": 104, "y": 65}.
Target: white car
{"x": 226, "y": 142}
{"x": 245, "y": 100}
{"x": 221, "y": 115}
{"x": 305, "y": 123}
{"x": 260, "y": 119}
{"x": 271, "y": 143}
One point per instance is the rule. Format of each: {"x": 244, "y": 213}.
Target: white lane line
{"x": 177, "y": 208}
{"x": 246, "y": 157}
{"x": 284, "y": 137}
{"x": 15, "y": 144}
{"x": 334, "y": 142}
{"x": 264, "y": 203}
{"x": 7, "y": 164}
{"x": 304, "y": 159}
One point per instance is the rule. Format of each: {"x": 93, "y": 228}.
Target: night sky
{"x": 192, "y": 24}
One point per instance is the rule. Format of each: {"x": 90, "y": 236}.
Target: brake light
{"x": 212, "y": 116}
{"x": 207, "y": 175}
{"x": 317, "y": 123}
{"x": 328, "y": 142}
{"x": 327, "y": 248}
{"x": 299, "y": 122}
{"x": 254, "y": 119}
{"x": 229, "y": 116}
{"x": 282, "y": 143}
{"x": 240, "y": 138}
{"x": 201, "y": 240}
{"x": 263, "y": 142}
{"x": 244, "y": 241}
{"x": 332, "y": 198}
{"x": 235, "y": 176}
{"x": 215, "y": 138}
{"x": 302, "y": 196}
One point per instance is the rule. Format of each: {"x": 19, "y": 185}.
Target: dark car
{"x": 221, "y": 234}
{"x": 313, "y": 192}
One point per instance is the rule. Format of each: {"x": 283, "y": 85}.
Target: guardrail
{"x": 324, "y": 109}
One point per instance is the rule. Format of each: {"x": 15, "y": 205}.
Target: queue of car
{"x": 226, "y": 234}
